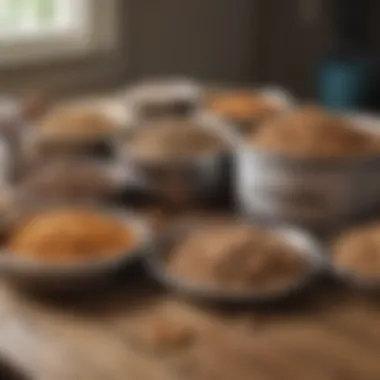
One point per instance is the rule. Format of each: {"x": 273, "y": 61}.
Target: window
{"x": 33, "y": 30}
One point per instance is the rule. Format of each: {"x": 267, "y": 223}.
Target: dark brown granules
{"x": 234, "y": 256}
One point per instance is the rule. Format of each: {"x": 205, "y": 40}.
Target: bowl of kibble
{"x": 236, "y": 261}
{"x": 309, "y": 167}
{"x": 181, "y": 160}
{"x": 246, "y": 109}
{"x": 355, "y": 256}
{"x": 161, "y": 98}
{"x": 69, "y": 246}
{"x": 81, "y": 128}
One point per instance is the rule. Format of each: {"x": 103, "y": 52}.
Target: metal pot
{"x": 312, "y": 192}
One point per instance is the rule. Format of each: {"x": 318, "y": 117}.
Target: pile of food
{"x": 357, "y": 252}
{"x": 71, "y": 235}
{"x": 242, "y": 107}
{"x": 173, "y": 140}
{"x": 75, "y": 123}
{"x": 236, "y": 257}
{"x": 311, "y": 132}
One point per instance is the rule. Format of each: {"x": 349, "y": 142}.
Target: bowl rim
{"x": 155, "y": 263}
{"x": 10, "y": 263}
{"x": 366, "y": 122}
{"x": 205, "y": 120}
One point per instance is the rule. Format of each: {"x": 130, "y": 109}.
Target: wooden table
{"x": 134, "y": 331}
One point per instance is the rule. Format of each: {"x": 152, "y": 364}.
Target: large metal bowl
{"x": 310, "y": 248}
{"x": 67, "y": 277}
{"x": 315, "y": 193}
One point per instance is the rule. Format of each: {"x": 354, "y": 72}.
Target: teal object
{"x": 346, "y": 83}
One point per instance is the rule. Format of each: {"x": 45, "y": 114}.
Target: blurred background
{"x": 307, "y": 46}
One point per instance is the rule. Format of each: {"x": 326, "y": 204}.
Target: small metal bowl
{"x": 205, "y": 178}
{"x": 348, "y": 277}
{"x": 282, "y": 101}
{"x": 162, "y": 98}
{"x": 76, "y": 180}
{"x": 40, "y": 148}
{"x": 312, "y": 250}
{"x": 66, "y": 277}
{"x": 354, "y": 281}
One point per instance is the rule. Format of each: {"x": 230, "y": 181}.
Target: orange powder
{"x": 71, "y": 235}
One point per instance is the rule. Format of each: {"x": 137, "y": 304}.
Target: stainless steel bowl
{"x": 162, "y": 98}
{"x": 75, "y": 180}
{"x": 354, "y": 281}
{"x": 282, "y": 102}
{"x": 316, "y": 193}
{"x": 37, "y": 149}
{"x": 309, "y": 247}
{"x": 205, "y": 178}
{"x": 66, "y": 277}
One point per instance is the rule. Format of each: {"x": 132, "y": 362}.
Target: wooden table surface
{"x": 134, "y": 331}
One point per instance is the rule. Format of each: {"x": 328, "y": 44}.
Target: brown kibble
{"x": 311, "y": 132}
{"x": 76, "y": 122}
{"x": 171, "y": 335}
{"x": 241, "y": 106}
{"x": 358, "y": 251}
{"x": 161, "y": 335}
{"x": 169, "y": 140}
{"x": 235, "y": 257}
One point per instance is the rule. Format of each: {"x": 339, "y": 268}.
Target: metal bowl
{"x": 280, "y": 98}
{"x": 348, "y": 277}
{"x": 315, "y": 193}
{"x": 354, "y": 281}
{"x": 38, "y": 148}
{"x": 161, "y": 98}
{"x": 74, "y": 180}
{"x": 203, "y": 178}
{"x": 311, "y": 249}
{"x": 38, "y": 275}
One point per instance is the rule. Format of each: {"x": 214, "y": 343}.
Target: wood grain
{"x": 158, "y": 336}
